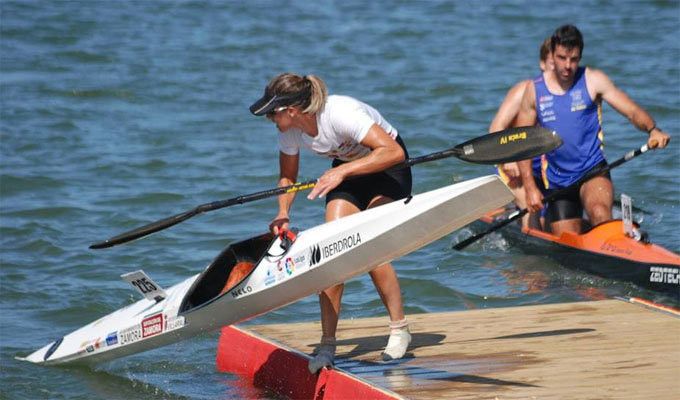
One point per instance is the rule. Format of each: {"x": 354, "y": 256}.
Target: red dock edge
{"x": 660, "y": 307}
{"x": 271, "y": 366}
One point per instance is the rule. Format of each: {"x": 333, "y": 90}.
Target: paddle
{"x": 519, "y": 213}
{"x": 500, "y": 147}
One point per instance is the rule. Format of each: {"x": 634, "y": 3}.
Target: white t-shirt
{"x": 342, "y": 124}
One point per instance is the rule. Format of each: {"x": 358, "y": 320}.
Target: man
{"x": 505, "y": 117}
{"x": 568, "y": 99}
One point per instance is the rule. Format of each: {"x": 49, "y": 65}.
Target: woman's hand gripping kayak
{"x": 385, "y": 152}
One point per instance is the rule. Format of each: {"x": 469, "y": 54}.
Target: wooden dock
{"x": 608, "y": 349}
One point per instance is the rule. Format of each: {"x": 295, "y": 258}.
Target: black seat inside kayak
{"x": 209, "y": 284}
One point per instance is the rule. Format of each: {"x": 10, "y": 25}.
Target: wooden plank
{"x": 608, "y": 349}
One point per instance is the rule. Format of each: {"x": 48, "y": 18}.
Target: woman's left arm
{"x": 385, "y": 152}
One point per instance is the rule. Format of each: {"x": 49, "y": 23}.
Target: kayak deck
{"x": 600, "y": 349}
{"x": 289, "y": 268}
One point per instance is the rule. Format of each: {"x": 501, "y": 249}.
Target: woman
{"x": 360, "y": 142}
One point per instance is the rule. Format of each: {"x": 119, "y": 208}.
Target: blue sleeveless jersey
{"x": 578, "y": 121}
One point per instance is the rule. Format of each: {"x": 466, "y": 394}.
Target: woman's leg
{"x": 387, "y": 284}
{"x": 385, "y": 278}
{"x": 330, "y": 299}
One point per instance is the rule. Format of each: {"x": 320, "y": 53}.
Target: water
{"x": 115, "y": 114}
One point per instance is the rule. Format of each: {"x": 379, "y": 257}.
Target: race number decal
{"x": 627, "y": 211}
{"x": 144, "y": 285}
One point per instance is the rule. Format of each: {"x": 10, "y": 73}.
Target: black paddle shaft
{"x": 176, "y": 219}
{"x": 500, "y": 147}
{"x": 519, "y": 213}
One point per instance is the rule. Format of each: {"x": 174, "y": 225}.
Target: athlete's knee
{"x": 599, "y": 213}
{"x": 333, "y": 291}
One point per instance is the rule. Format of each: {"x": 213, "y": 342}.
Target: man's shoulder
{"x": 518, "y": 88}
{"x": 594, "y": 74}
{"x": 597, "y": 81}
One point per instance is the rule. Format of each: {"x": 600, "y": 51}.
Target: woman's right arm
{"x": 288, "y": 167}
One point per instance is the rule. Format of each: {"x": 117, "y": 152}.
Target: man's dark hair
{"x": 568, "y": 36}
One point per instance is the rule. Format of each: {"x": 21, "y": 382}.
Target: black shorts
{"x": 395, "y": 184}
{"x": 568, "y": 205}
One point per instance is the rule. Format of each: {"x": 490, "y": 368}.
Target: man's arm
{"x": 505, "y": 118}
{"x": 527, "y": 117}
{"x": 601, "y": 86}
{"x": 509, "y": 108}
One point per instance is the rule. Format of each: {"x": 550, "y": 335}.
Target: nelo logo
{"x": 241, "y": 291}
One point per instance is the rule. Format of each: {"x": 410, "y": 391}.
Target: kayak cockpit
{"x": 239, "y": 258}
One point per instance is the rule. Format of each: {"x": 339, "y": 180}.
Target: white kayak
{"x": 285, "y": 271}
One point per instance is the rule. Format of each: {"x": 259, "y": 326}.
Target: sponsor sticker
{"x": 314, "y": 255}
{"x": 269, "y": 279}
{"x": 112, "y": 339}
{"x": 615, "y": 249}
{"x": 513, "y": 137}
{"x": 173, "y": 323}
{"x": 340, "y": 246}
{"x": 301, "y": 187}
{"x": 93, "y": 343}
{"x": 152, "y": 325}
{"x": 290, "y": 266}
{"x": 577, "y": 102}
{"x": 280, "y": 271}
{"x": 322, "y": 251}
{"x": 664, "y": 275}
{"x": 130, "y": 335}
{"x": 300, "y": 260}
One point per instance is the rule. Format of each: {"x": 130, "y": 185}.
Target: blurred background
{"x": 116, "y": 114}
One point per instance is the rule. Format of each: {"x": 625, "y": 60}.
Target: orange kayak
{"x": 604, "y": 250}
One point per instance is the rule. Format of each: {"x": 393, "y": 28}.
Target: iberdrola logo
{"x": 315, "y": 256}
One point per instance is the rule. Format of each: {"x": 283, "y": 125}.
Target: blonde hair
{"x": 312, "y": 90}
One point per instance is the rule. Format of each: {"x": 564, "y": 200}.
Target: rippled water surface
{"x": 115, "y": 114}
